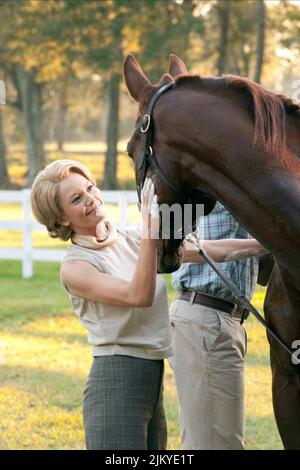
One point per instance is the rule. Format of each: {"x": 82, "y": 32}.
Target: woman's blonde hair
{"x": 45, "y": 195}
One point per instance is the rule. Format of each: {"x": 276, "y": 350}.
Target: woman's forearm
{"x": 143, "y": 283}
{"x": 224, "y": 250}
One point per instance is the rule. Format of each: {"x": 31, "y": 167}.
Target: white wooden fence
{"x": 27, "y": 225}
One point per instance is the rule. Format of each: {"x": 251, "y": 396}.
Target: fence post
{"x": 27, "y": 270}
{"x": 122, "y": 210}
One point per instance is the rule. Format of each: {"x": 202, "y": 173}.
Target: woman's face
{"x": 80, "y": 199}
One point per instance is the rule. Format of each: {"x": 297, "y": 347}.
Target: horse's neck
{"x": 266, "y": 203}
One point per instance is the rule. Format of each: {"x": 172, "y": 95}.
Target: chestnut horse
{"x": 239, "y": 143}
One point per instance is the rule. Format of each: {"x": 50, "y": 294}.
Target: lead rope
{"x": 241, "y": 299}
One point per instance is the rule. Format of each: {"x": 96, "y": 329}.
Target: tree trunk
{"x": 223, "y": 9}
{"x": 4, "y": 179}
{"x": 260, "y": 40}
{"x": 62, "y": 115}
{"x": 112, "y": 131}
{"x": 30, "y": 93}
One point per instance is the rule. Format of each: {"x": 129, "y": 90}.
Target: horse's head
{"x": 154, "y": 153}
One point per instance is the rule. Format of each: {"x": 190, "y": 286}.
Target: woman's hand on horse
{"x": 150, "y": 211}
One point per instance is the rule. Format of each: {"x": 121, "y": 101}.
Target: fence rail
{"x": 27, "y": 225}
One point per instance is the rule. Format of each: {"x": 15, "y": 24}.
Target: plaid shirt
{"x": 201, "y": 277}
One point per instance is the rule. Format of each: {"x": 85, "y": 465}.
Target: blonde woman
{"x": 110, "y": 277}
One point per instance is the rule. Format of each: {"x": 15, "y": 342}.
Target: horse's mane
{"x": 269, "y": 108}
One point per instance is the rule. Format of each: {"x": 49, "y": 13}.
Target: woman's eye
{"x": 90, "y": 187}
{"x": 76, "y": 199}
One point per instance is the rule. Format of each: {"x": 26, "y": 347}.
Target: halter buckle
{"x": 150, "y": 150}
{"x": 147, "y": 118}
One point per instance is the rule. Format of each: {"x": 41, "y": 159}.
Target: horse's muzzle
{"x": 168, "y": 264}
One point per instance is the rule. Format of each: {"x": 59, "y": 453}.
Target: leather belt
{"x": 233, "y": 309}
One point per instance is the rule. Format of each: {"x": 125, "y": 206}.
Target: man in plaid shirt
{"x": 209, "y": 342}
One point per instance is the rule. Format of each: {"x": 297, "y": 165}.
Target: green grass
{"x": 45, "y": 361}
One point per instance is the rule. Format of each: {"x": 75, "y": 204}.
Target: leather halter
{"x": 147, "y": 157}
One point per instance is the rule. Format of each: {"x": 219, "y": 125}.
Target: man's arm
{"x": 230, "y": 249}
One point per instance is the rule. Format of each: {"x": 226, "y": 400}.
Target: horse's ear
{"x": 165, "y": 79}
{"x": 136, "y": 81}
{"x": 177, "y": 66}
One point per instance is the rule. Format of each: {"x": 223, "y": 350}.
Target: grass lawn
{"x": 45, "y": 361}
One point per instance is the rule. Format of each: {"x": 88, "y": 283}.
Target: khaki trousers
{"x": 208, "y": 364}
